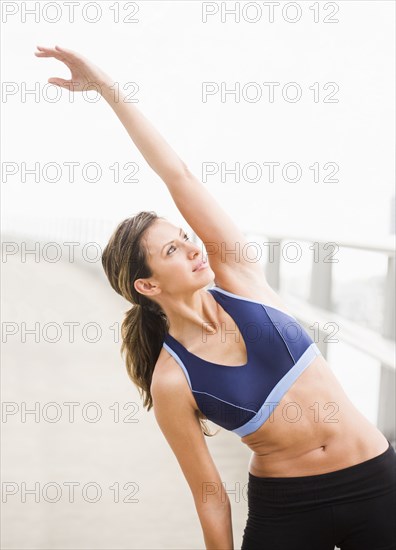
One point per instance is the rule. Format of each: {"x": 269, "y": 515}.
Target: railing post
{"x": 389, "y": 301}
{"x": 272, "y": 268}
{"x": 321, "y": 280}
{"x": 386, "y": 402}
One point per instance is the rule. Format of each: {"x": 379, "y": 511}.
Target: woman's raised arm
{"x": 223, "y": 239}
{"x": 85, "y": 76}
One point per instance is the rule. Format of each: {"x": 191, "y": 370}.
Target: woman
{"x": 322, "y": 478}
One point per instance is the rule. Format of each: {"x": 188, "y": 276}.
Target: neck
{"x": 191, "y": 315}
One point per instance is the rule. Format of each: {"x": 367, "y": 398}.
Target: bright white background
{"x": 169, "y": 53}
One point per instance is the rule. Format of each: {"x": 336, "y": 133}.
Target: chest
{"x": 251, "y": 360}
{"x": 226, "y": 346}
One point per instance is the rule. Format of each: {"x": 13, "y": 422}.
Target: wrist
{"x": 110, "y": 91}
{"x": 107, "y": 90}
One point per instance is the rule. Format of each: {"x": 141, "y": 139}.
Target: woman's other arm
{"x": 181, "y": 427}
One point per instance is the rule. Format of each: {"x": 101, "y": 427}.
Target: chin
{"x": 209, "y": 279}
{"x": 204, "y": 278}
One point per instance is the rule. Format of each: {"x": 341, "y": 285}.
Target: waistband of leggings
{"x": 346, "y": 473}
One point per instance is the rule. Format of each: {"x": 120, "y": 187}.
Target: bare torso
{"x": 314, "y": 429}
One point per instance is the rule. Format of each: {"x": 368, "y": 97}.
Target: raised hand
{"x": 84, "y": 74}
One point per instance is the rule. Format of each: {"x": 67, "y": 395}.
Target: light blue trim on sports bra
{"x": 241, "y": 398}
{"x": 278, "y": 392}
{"x": 238, "y": 297}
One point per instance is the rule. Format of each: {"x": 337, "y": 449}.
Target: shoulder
{"x": 251, "y": 285}
{"x": 245, "y": 283}
{"x": 169, "y": 383}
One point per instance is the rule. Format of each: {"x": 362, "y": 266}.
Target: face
{"x": 172, "y": 257}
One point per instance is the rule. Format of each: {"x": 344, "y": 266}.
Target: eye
{"x": 186, "y": 238}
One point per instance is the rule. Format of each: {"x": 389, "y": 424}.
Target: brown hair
{"x": 124, "y": 259}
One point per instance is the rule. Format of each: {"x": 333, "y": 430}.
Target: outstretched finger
{"x": 44, "y": 52}
{"x": 67, "y": 56}
{"x": 49, "y": 52}
{"x": 44, "y": 49}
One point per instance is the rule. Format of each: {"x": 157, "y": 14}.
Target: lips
{"x": 202, "y": 262}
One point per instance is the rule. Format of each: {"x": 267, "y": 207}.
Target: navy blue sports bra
{"x": 241, "y": 398}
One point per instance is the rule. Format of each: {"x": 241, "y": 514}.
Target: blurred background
{"x": 83, "y": 464}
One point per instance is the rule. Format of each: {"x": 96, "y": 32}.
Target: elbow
{"x": 210, "y": 507}
{"x": 183, "y": 171}
{"x": 177, "y": 176}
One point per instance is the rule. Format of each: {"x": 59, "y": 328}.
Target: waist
{"x": 342, "y": 451}
{"x": 366, "y": 479}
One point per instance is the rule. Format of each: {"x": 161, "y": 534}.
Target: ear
{"x": 146, "y": 287}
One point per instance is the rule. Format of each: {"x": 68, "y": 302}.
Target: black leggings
{"x": 353, "y": 509}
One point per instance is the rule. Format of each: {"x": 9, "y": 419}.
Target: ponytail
{"x": 143, "y": 331}
{"x": 145, "y": 325}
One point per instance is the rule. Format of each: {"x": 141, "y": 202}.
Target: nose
{"x": 194, "y": 251}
